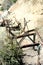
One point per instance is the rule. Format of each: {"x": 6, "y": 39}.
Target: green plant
{"x": 14, "y": 1}
{"x": 11, "y": 54}
{"x": 1, "y": 9}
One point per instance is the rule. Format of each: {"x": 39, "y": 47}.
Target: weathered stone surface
{"x": 30, "y": 10}
{"x": 31, "y": 56}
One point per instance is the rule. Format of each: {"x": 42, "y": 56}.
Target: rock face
{"x": 31, "y": 10}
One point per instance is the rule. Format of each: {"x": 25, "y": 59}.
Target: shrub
{"x": 1, "y": 9}
{"x": 11, "y": 54}
{"x": 14, "y": 1}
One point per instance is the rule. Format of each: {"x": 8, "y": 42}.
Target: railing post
{"x": 39, "y": 55}
{"x": 34, "y": 37}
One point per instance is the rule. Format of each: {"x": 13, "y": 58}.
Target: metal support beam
{"x": 25, "y": 35}
{"x": 30, "y": 45}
